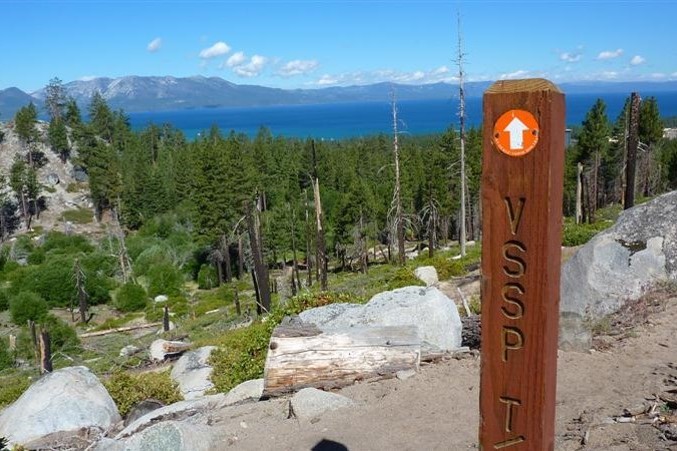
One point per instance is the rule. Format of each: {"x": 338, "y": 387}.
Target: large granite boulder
{"x": 618, "y": 265}
{"x": 430, "y": 310}
{"x": 68, "y": 399}
{"x": 192, "y": 372}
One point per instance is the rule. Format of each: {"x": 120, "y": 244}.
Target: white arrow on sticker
{"x": 516, "y": 128}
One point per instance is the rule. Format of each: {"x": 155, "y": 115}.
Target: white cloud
{"x": 637, "y": 60}
{"x": 253, "y": 68}
{"x": 570, "y": 57}
{"x": 218, "y": 49}
{"x": 658, "y": 75}
{"x": 609, "y": 54}
{"x": 236, "y": 59}
{"x": 327, "y": 80}
{"x": 154, "y": 45}
{"x": 610, "y": 74}
{"x": 297, "y": 67}
{"x": 511, "y": 75}
{"x": 440, "y": 74}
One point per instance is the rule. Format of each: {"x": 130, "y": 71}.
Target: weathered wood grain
{"x": 522, "y": 223}
{"x": 306, "y": 358}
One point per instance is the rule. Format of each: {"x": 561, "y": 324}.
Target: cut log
{"x": 303, "y": 356}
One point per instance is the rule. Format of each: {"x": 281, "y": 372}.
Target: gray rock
{"x": 66, "y": 400}
{"x": 173, "y": 436}
{"x": 246, "y": 391}
{"x": 142, "y": 408}
{"x": 160, "y": 298}
{"x": 160, "y": 349}
{"x": 79, "y": 174}
{"x": 432, "y": 312}
{"x": 428, "y": 275}
{"x": 310, "y": 403}
{"x": 405, "y": 374}
{"x": 192, "y": 372}
{"x": 129, "y": 350}
{"x": 618, "y": 265}
{"x": 189, "y": 410}
{"x": 52, "y": 179}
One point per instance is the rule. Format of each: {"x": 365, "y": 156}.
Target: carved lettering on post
{"x": 522, "y": 181}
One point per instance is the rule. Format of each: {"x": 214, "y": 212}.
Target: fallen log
{"x": 118, "y": 329}
{"x": 303, "y": 356}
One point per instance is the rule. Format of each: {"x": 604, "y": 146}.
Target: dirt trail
{"x": 438, "y": 408}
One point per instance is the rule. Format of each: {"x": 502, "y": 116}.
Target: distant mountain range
{"x": 134, "y": 93}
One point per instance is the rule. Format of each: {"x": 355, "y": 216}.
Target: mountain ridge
{"x": 135, "y": 93}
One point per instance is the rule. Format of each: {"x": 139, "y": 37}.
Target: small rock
{"x": 129, "y": 350}
{"x": 142, "y": 408}
{"x": 160, "y": 298}
{"x": 428, "y": 275}
{"x": 311, "y": 402}
{"x": 246, "y": 391}
{"x": 405, "y": 374}
{"x": 173, "y": 435}
{"x": 160, "y": 349}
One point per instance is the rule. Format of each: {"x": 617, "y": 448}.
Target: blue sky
{"x": 305, "y": 44}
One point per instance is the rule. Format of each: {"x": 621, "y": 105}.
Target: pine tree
{"x": 55, "y": 99}
{"x": 593, "y": 145}
{"x": 58, "y": 138}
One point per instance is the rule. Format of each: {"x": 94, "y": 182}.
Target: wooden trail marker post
{"x": 522, "y": 183}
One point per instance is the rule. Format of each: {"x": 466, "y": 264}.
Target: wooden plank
{"x": 521, "y": 251}
{"x": 309, "y": 358}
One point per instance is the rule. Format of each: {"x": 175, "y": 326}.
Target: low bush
{"x": 403, "y": 277}
{"x": 207, "y": 278}
{"x": 63, "y": 337}
{"x": 11, "y": 388}
{"x": 131, "y": 297}
{"x": 79, "y": 216}
{"x": 4, "y": 300}
{"x": 578, "y": 234}
{"x": 165, "y": 278}
{"x": 6, "y": 358}
{"x": 27, "y": 306}
{"x": 58, "y": 242}
{"x": 127, "y": 389}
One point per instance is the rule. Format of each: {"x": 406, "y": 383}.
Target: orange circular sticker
{"x": 516, "y": 133}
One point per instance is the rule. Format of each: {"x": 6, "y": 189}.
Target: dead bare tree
{"x": 461, "y": 115}
{"x": 81, "y": 293}
{"x": 320, "y": 247}
{"x": 396, "y": 213}
{"x": 631, "y": 157}
{"x": 259, "y": 270}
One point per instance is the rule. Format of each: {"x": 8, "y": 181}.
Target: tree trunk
{"x": 320, "y": 248}
{"x": 261, "y": 279}
{"x": 165, "y": 319}
{"x": 399, "y": 216}
{"x": 240, "y": 259}
{"x": 45, "y": 353}
{"x": 238, "y": 307}
{"x": 306, "y": 357}
{"x": 631, "y": 158}
{"x": 579, "y": 193}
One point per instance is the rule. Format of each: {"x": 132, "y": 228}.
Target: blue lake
{"x": 344, "y": 120}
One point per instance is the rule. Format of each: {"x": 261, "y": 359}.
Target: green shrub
{"x": 403, "y": 277}
{"x": 131, "y": 297}
{"x": 63, "y": 337}
{"x": 127, "y": 389}
{"x": 79, "y": 216}
{"x": 158, "y": 254}
{"x": 207, "y": 278}
{"x": 578, "y": 234}
{"x": 6, "y": 359}
{"x": 4, "y": 300}
{"x": 178, "y": 306}
{"x": 58, "y": 242}
{"x": 164, "y": 278}
{"x": 37, "y": 256}
{"x": 27, "y": 306}
{"x": 11, "y": 388}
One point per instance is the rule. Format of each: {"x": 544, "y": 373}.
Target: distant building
{"x": 670, "y": 133}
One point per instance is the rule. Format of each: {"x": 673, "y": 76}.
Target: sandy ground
{"x": 437, "y": 409}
